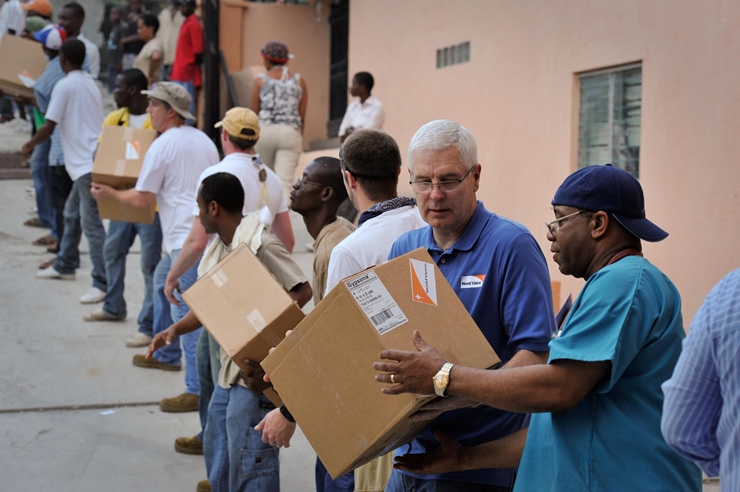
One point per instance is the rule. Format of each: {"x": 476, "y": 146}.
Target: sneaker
{"x": 189, "y": 445}
{"x": 138, "y": 340}
{"x": 141, "y": 361}
{"x": 101, "y": 316}
{"x": 47, "y": 240}
{"x": 34, "y": 222}
{"x": 183, "y": 403}
{"x": 51, "y": 272}
{"x": 92, "y": 296}
{"x": 203, "y": 486}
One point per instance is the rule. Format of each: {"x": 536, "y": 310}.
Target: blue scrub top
{"x": 628, "y": 313}
{"x": 499, "y": 273}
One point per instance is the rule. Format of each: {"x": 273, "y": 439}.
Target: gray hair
{"x": 442, "y": 134}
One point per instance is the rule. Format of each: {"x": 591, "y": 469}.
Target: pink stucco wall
{"x": 518, "y": 95}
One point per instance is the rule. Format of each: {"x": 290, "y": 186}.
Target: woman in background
{"x": 149, "y": 59}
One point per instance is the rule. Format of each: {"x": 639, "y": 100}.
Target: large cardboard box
{"x": 118, "y": 163}
{"x": 323, "y": 370}
{"x": 244, "y": 308}
{"x": 23, "y": 62}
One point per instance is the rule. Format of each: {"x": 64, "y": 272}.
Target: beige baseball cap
{"x": 241, "y": 123}
{"x": 173, "y": 94}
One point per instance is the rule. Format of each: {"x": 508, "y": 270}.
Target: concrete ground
{"x": 75, "y": 414}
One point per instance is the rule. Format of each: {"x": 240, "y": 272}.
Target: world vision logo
{"x": 472, "y": 281}
{"x": 423, "y": 283}
{"x": 132, "y": 150}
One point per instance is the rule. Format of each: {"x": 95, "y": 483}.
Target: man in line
{"x": 189, "y": 52}
{"x": 597, "y": 402}
{"x": 170, "y": 174}
{"x": 370, "y": 163}
{"x": 701, "y": 412}
{"x": 132, "y": 105}
{"x": 77, "y": 107}
{"x": 131, "y": 43}
{"x": 235, "y": 460}
{"x": 316, "y": 197}
{"x": 71, "y": 19}
{"x": 263, "y": 195}
{"x": 365, "y": 113}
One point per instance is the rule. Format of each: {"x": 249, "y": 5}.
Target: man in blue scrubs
{"x": 499, "y": 273}
{"x": 597, "y": 403}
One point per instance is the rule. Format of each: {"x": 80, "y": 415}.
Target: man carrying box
{"x": 132, "y": 112}
{"x": 76, "y": 105}
{"x": 597, "y": 403}
{"x": 499, "y": 273}
{"x": 236, "y": 458}
{"x": 170, "y": 174}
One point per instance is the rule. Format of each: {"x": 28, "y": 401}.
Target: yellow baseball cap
{"x": 241, "y": 123}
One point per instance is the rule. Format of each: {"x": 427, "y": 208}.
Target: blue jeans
{"x": 209, "y": 365}
{"x": 118, "y": 241}
{"x": 42, "y": 185}
{"x": 191, "y": 90}
{"x": 324, "y": 482}
{"x": 165, "y": 314}
{"x": 405, "y": 483}
{"x": 81, "y": 214}
{"x": 236, "y": 458}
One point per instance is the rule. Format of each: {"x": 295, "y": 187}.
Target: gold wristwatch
{"x": 442, "y": 379}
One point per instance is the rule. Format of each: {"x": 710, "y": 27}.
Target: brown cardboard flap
{"x": 20, "y": 56}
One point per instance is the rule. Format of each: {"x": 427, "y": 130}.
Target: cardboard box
{"x": 244, "y": 308}
{"x": 323, "y": 370}
{"x": 23, "y": 62}
{"x": 118, "y": 163}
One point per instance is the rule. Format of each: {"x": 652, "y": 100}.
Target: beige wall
{"x": 246, "y": 27}
{"x": 517, "y": 97}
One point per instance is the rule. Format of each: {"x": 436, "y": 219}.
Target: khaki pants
{"x": 373, "y": 477}
{"x": 280, "y": 146}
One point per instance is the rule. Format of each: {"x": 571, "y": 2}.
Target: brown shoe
{"x": 141, "y": 361}
{"x": 54, "y": 248}
{"x": 189, "y": 445}
{"x": 203, "y": 486}
{"x": 34, "y": 222}
{"x": 45, "y": 241}
{"x": 183, "y": 403}
{"x": 101, "y": 315}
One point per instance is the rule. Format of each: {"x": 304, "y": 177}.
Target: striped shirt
{"x": 53, "y": 73}
{"x": 701, "y": 413}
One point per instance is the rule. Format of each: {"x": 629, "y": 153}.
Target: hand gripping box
{"x": 23, "y": 62}
{"x": 118, "y": 163}
{"x": 244, "y": 308}
{"x": 324, "y": 372}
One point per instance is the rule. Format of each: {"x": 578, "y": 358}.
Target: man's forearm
{"x": 42, "y": 134}
{"x": 187, "y": 324}
{"x": 188, "y": 256}
{"x": 133, "y": 197}
{"x": 501, "y": 453}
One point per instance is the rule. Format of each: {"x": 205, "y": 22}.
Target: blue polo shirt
{"x": 499, "y": 273}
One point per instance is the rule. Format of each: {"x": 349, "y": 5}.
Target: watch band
{"x": 286, "y": 413}
{"x": 446, "y": 368}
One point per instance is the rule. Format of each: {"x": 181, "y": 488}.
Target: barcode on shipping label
{"x": 376, "y": 302}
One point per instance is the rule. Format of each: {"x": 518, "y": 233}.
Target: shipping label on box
{"x": 118, "y": 162}
{"x": 323, "y": 369}
{"x": 244, "y": 308}
{"x": 23, "y": 62}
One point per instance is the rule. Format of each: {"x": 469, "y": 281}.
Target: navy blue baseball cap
{"x": 612, "y": 190}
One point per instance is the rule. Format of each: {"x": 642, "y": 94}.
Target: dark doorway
{"x": 338, "y": 65}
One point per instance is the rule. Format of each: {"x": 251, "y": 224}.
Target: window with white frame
{"x": 609, "y": 119}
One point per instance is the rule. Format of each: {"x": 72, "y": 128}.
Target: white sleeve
{"x": 341, "y": 265}
{"x": 345, "y": 122}
{"x": 57, "y": 104}
{"x": 278, "y": 203}
{"x": 94, "y": 58}
{"x": 152, "y": 173}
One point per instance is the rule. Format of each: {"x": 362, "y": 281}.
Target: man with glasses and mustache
{"x": 597, "y": 403}
{"x": 499, "y": 273}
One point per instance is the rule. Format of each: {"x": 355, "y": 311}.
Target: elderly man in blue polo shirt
{"x": 499, "y": 273}
{"x": 597, "y": 403}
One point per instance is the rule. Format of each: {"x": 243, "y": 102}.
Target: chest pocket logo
{"x": 472, "y": 281}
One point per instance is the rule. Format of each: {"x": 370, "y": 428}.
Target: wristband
{"x": 286, "y": 413}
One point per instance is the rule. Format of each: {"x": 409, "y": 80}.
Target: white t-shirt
{"x": 170, "y": 170}
{"x": 93, "y": 55}
{"x": 371, "y": 244}
{"x": 12, "y": 17}
{"x": 76, "y": 106}
{"x": 268, "y": 202}
{"x": 359, "y": 116}
{"x": 137, "y": 120}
